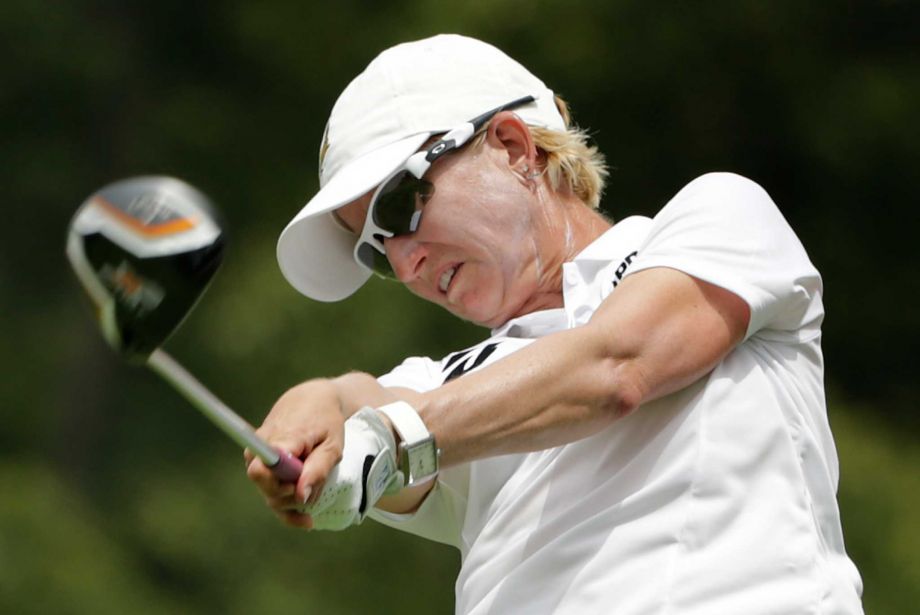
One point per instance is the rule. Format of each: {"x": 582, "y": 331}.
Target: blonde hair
{"x": 571, "y": 162}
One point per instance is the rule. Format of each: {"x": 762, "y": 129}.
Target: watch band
{"x": 417, "y": 452}
{"x": 406, "y": 421}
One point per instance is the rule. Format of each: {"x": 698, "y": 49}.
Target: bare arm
{"x": 660, "y": 331}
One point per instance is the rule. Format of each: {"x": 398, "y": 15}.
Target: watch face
{"x": 422, "y": 458}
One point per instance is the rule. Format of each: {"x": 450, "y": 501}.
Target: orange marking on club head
{"x": 170, "y": 227}
{"x": 128, "y": 282}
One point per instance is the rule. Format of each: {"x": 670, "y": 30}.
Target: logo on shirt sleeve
{"x": 621, "y": 270}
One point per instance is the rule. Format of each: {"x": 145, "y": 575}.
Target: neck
{"x": 567, "y": 228}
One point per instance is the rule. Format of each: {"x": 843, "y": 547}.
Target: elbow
{"x": 355, "y": 378}
{"x": 624, "y": 389}
{"x": 625, "y": 401}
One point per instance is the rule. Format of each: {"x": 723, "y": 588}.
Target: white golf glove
{"x": 366, "y": 472}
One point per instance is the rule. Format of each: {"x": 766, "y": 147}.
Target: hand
{"x": 308, "y": 422}
{"x": 367, "y": 471}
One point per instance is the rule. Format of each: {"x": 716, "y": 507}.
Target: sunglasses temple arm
{"x": 462, "y": 134}
{"x": 479, "y": 121}
{"x": 455, "y": 139}
{"x": 418, "y": 164}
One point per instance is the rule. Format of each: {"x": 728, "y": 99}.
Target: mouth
{"x": 447, "y": 277}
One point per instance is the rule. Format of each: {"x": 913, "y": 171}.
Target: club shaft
{"x": 213, "y": 408}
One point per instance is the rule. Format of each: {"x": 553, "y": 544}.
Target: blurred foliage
{"x": 879, "y": 497}
{"x": 116, "y": 497}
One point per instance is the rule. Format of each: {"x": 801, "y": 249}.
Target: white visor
{"x": 315, "y": 253}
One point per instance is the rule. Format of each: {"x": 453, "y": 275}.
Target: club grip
{"x": 288, "y": 468}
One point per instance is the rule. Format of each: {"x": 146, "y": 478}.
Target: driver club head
{"x": 144, "y": 249}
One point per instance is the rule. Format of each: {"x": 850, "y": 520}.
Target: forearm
{"x": 559, "y": 389}
{"x": 521, "y": 403}
{"x": 357, "y": 390}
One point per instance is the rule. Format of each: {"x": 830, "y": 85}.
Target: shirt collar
{"x": 581, "y": 271}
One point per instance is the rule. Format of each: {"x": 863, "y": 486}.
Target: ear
{"x": 507, "y": 132}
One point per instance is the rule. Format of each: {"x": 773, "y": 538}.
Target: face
{"x": 476, "y": 250}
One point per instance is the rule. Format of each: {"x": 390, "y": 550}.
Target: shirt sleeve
{"x": 726, "y": 230}
{"x": 417, "y": 373}
{"x": 440, "y": 516}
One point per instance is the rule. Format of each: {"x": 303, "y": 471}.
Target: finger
{"x": 263, "y": 477}
{"x": 291, "y": 438}
{"x": 315, "y": 470}
{"x": 311, "y": 493}
{"x": 287, "y": 490}
{"x": 297, "y": 448}
{"x": 296, "y": 519}
{"x": 282, "y": 503}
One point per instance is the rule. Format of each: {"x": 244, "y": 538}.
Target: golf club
{"x": 144, "y": 250}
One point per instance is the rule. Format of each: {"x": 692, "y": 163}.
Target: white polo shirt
{"x": 717, "y": 499}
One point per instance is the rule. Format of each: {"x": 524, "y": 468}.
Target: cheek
{"x": 495, "y": 223}
{"x": 487, "y": 220}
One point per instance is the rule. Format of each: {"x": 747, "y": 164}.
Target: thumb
{"x": 316, "y": 469}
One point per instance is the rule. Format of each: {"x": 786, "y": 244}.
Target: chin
{"x": 488, "y": 319}
{"x": 486, "y": 309}
{"x": 483, "y": 318}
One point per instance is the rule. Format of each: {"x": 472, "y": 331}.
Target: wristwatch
{"x": 417, "y": 455}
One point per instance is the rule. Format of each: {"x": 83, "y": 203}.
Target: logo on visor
{"x": 323, "y": 150}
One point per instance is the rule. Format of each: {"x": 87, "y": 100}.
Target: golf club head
{"x": 144, "y": 249}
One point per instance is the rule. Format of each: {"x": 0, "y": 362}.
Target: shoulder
{"x": 719, "y": 203}
{"x": 721, "y": 187}
{"x": 724, "y": 229}
{"x": 724, "y": 181}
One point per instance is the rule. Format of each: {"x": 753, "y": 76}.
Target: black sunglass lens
{"x": 375, "y": 261}
{"x": 397, "y": 203}
{"x": 425, "y": 190}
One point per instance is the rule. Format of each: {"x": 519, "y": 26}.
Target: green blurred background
{"x": 115, "y": 497}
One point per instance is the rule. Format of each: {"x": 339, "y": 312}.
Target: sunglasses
{"x": 396, "y": 207}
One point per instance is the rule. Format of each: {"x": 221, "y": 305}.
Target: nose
{"x": 407, "y": 256}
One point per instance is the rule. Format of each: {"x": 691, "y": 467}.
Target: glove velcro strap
{"x": 380, "y": 477}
